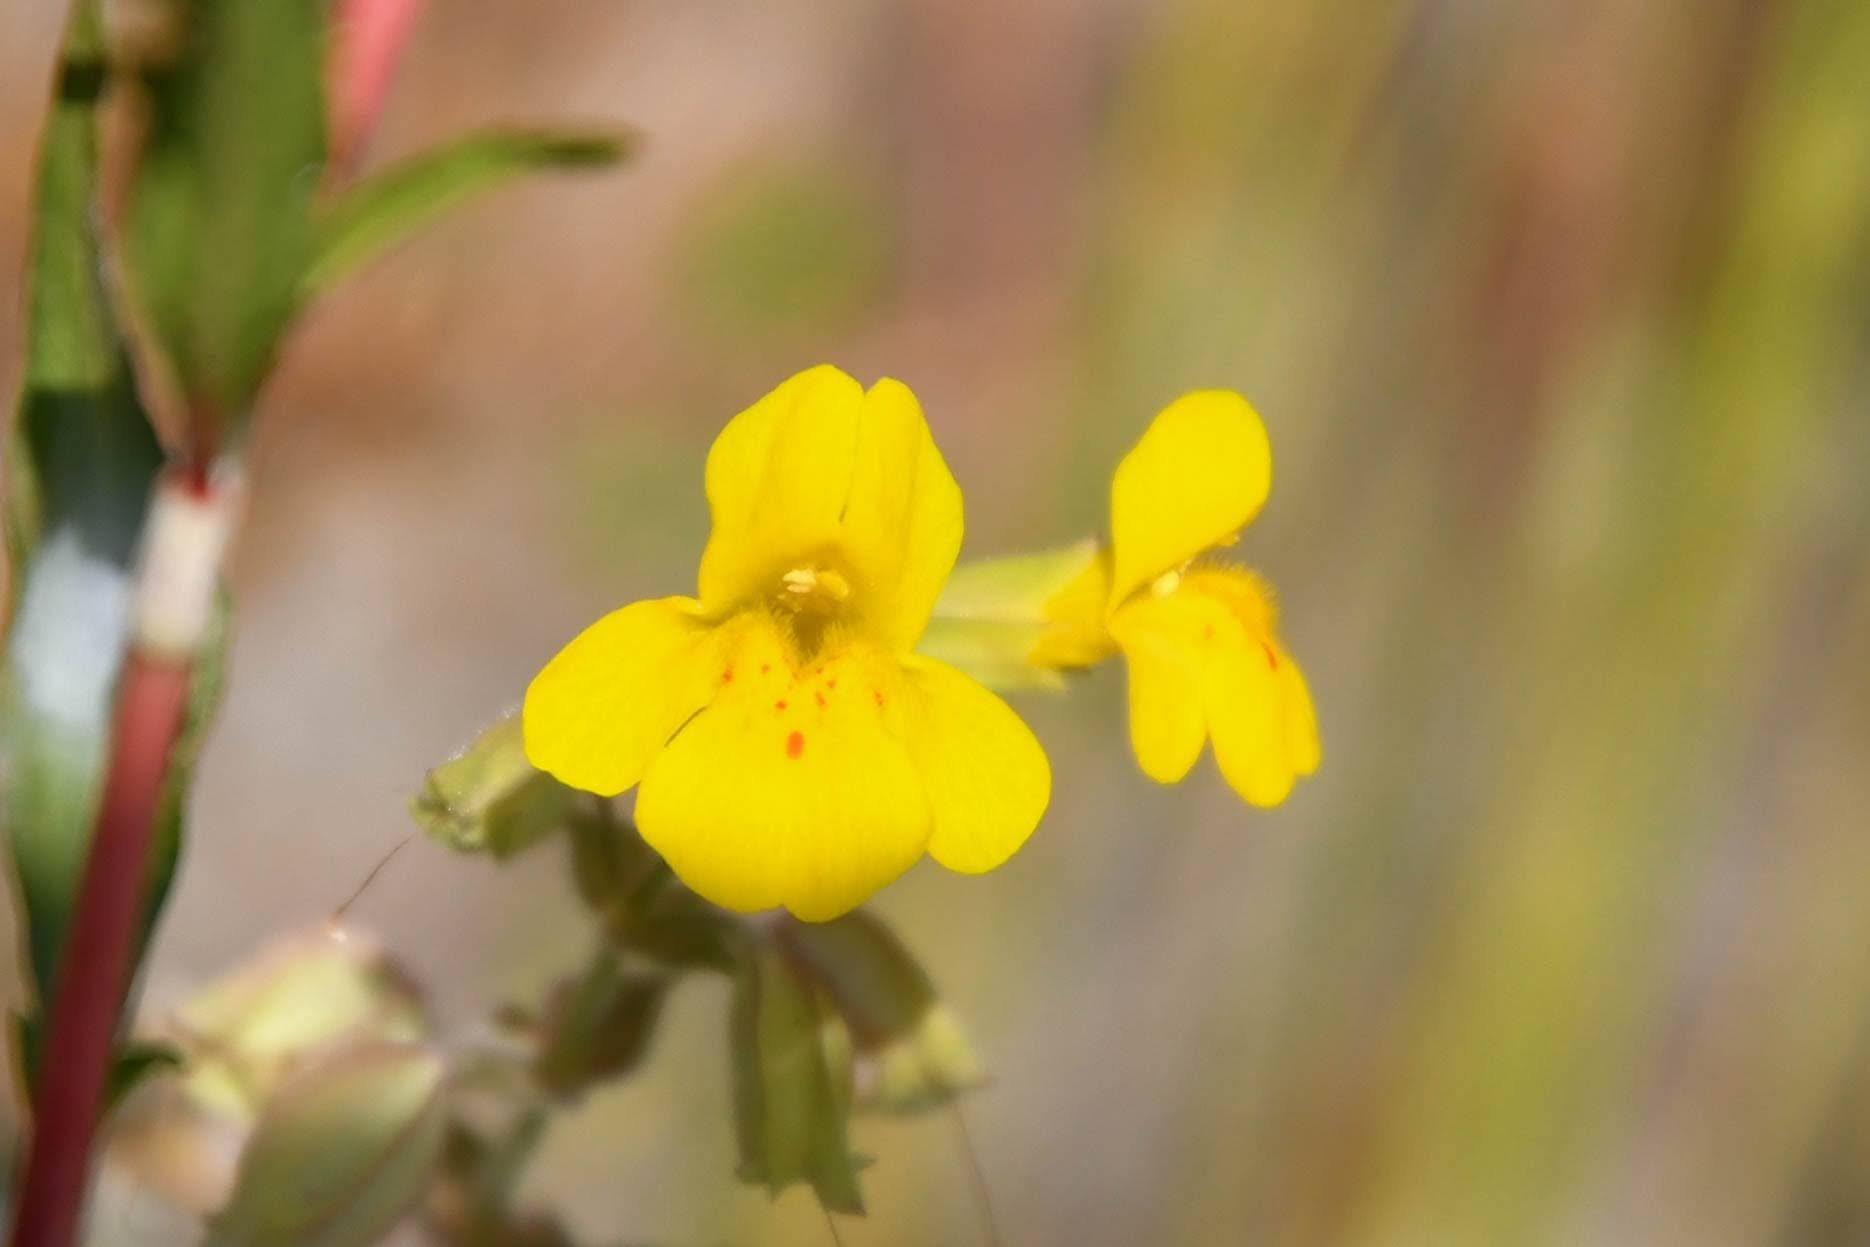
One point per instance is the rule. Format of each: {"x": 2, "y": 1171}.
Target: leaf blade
{"x": 84, "y": 460}
{"x": 386, "y": 207}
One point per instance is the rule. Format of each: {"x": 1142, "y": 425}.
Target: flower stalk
{"x": 185, "y": 538}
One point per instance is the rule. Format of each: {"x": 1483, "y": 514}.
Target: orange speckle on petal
{"x": 779, "y": 705}
{"x": 831, "y": 684}
{"x": 819, "y": 697}
{"x": 765, "y": 667}
{"x": 727, "y": 676}
{"x": 795, "y": 744}
{"x": 878, "y": 694}
{"x": 1272, "y": 657}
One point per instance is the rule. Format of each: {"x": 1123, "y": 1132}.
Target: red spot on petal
{"x": 878, "y": 694}
{"x": 765, "y": 667}
{"x": 779, "y": 705}
{"x": 1272, "y": 658}
{"x": 831, "y": 683}
{"x": 727, "y": 676}
{"x": 795, "y": 744}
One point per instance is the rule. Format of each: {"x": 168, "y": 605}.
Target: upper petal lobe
{"x": 1199, "y": 475}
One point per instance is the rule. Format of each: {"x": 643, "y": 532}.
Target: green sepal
{"x": 913, "y": 1054}
{"x": 792, "y": 1083}
{"x": 489, "y": 799}
{"x": 597, "y": 1027}
{"x": 993, "y": 614}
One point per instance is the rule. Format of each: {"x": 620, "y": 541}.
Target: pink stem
{"x": 95, "y": 969}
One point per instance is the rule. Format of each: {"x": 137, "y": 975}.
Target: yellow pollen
{"x": 802, "y": 585}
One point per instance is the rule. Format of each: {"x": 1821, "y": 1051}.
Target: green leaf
{"x": 792, "y": 1083}
{"x": 993, "y": 613}
{"x": 390, "y": 205}
{"x": 913, "y": 1054}
{"x": 341, "y": 1153}
{"x": 489, "y": 799}
{"x": 219, "y": 228}
{"x": 84, "y": 458}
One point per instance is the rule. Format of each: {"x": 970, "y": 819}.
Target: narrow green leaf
{"x": 389, "y": 206}
{"x": 489, "y": 799}
{"x": 792, "y": 1083}
{"x": 84, "y": 458}
{"x": 219, "y": 223}
{"x": 341, "y": 1153}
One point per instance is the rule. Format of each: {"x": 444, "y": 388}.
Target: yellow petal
{"x": 1246, "y": 716}
{"x": 820, "y": 475}
{"x": 1204, "y": 662}
{"x": 1161, "y": 644}
{"x": 985, "y": 776}
{"x": 777, "y": 479}
{"x": 1198, "y": 476}
{"x": 1301, "y": 718}
{"x": 902, "y": 523}
{"x": 611, "y": 698}
{"x": 791, "y": 788}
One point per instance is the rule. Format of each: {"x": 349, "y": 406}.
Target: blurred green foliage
{"x": 784, "y": 251}
{"x": 1556, "y": 313}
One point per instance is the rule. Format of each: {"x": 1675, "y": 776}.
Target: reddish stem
{"x": 95, "y": 969}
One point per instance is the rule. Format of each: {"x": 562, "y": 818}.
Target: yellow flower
{"x": 1199, "y": 634}
{"x": 788, "y": 747}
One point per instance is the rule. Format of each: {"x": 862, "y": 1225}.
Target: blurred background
{"x": 1556, "y": 312}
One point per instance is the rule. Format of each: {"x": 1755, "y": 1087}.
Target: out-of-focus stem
{"x": 184, "y": 541}
{"x": 95, "y": 971}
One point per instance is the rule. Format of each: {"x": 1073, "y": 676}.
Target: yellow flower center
{"x": 818, "y": 589}
{"x": 813, "y": 597}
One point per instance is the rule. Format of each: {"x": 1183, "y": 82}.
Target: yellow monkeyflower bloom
{"x": 788, "y": 747}
{"x": 1200, "y": 635}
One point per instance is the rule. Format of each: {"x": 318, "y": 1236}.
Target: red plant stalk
{"x": 185, "y": 537}
{"x": 94, "y": 972}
